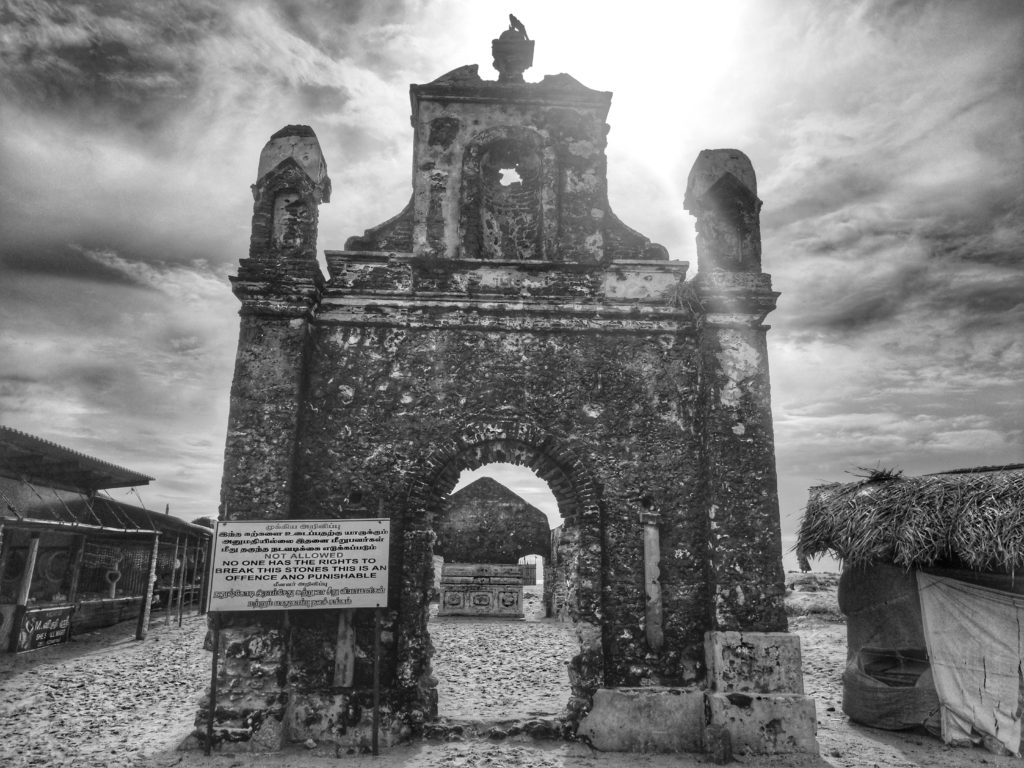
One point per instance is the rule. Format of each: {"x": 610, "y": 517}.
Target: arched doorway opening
{"x": 579, "y": 549}
{"x": 490, "y": 667}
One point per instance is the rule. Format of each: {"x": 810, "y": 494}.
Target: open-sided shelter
{"x": 933, "y": 592}
{"x": 71, "y": 557}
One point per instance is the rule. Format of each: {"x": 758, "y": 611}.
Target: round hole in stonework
{"x": 509, "y": 176}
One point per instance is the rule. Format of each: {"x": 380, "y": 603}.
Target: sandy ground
{"x": 106, "y": 700}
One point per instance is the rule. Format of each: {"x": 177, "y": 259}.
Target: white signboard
{"x": 273, "y": 565}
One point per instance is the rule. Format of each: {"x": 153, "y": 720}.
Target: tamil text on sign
{"x": 272, "y": 565}
{"x": 45, "y": 626}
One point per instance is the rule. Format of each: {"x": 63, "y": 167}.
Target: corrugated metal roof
{"x": 41, "y": 461}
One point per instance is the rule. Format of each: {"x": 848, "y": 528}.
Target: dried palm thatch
{"x": 967, "y": 518}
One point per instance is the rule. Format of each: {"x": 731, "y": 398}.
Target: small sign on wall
{"x": 273, "y": 565}
{"x": 44, "y": 626}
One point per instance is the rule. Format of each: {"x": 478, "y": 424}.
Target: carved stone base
{"x": 481, "y": 590}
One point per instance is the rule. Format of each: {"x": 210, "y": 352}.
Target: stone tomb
{"x": 469, "y": 589}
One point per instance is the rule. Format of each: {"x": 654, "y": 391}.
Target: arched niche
{"x": 285, "y": 213}
{"x": 291, "y": 220}
{"x": 507, "y": 192}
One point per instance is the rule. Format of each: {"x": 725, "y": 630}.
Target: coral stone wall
{"x": 485, "y": 522}
{"x": 379, "y": 398}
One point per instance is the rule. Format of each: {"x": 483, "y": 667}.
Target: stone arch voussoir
{"x": 513, "y": 442}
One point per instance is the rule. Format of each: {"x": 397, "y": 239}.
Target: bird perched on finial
{"x": 516, "y": 24}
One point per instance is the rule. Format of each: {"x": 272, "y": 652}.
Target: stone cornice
{"x": 377, "y": 288}
{"x": 282, "y": 298}
{"x": 407, "y": 275}
{"x": 502, "y": 315}
{"x": 735, "y": 298}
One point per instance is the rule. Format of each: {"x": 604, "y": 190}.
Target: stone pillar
{"x": 3, "y": 553}
{"x": 415, "y": 687}
{"x": 754, "y": 702}
{"x": 745, "y": 547}
{"x": 652, "y": 579}
{"x": 76, "y": 568}
{"x": 279, "y": 286}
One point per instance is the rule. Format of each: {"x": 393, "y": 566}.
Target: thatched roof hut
{"x": 967, "y": 518}
{"x": 930, "y": 597}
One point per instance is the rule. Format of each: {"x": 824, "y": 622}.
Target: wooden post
{"x": 376, "y": 680}
{"x": 652, "y": 579}
{"x": 193, "y": 598}
{"x": 76, "y": 567}
{"x": 170, "y": 592}
{"x": 142, "y": 628}
{"x": 213, "y": 683}
{"x": 3, "y": 553}
{"x": 181, "y": 578}
{"x": 204, "y": 590}
{"x": 345, "y": 650}
{"x": 24, "y": 589}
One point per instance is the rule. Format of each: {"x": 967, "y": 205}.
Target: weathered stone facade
{"x": 485, "y": 522}
{"x": 506, "y": 315}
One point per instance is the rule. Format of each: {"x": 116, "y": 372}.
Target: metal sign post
{"x": 213, "y": 683}
{"x": 286, "y": 565}
{"x": 170, "y": 592}
{"x": 181, "y": 579}
{"x": 376, "y": 679}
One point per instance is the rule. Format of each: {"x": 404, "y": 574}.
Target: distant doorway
{"x": 491, "y": 669}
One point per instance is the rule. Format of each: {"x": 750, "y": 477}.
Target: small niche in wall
{"x": 292, "y": 220}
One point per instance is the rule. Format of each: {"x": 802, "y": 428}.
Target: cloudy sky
{"x": 887, "y": 137}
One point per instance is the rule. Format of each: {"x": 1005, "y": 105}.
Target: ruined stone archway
{"x": 512, "y": 442}
{"x": 656, "y": 385}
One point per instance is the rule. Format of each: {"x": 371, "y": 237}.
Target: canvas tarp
{"x": 975, "y": 647}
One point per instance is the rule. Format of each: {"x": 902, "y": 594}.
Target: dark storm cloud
{"x": 65, "y": 260}
{"x": 902, "y": 200}
{"x": 93, "y": 59}
{"x": 893, "y": 181}
{"x": 852, "y": 307}
{"x": 995, "y": 239}
{"x": 357, "y": 29}
{"x": 329, "y": 25}
{"x": 316, "y": 99}
{"x": 838, "y": 184}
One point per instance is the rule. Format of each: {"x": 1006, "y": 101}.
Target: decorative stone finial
{"x": 513, "y": 52}
{"x": 291, "y": 184}
{"x": 298, "y": 142}
{"x": 721, "y": 192}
